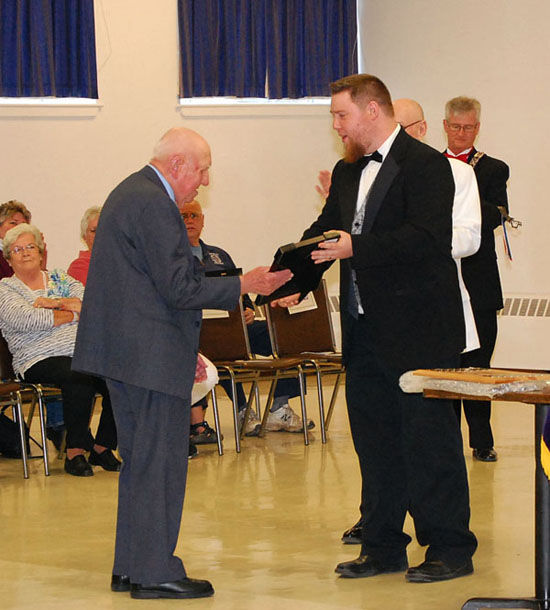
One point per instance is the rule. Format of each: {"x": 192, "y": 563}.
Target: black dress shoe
{"x": 193, "y": 451}
{"x": 354, "y": 535}
{"x": 105, "y": 459}
{"x": 120, "y": 583}
{"x": 185, "y": 588}
{"x": 435, "y": 571}
{"x": 365, "y": 566}
{"x": 485, "y": 455}
{"x": 78, "y": 467}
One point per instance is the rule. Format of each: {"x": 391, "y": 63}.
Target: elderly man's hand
{"x": 200, "y": 371}
{"x": 262, "y": 281}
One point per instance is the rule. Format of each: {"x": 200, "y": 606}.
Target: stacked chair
{"x": 224, "y": 340}
{"x": 308, "y": 336}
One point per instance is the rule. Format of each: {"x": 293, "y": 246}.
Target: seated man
{"x": 281, "y": 416}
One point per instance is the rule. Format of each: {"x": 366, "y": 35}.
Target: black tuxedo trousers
{"x": 408, "y": 446}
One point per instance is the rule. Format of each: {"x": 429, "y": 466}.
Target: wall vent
{"x": 531, "y": 307}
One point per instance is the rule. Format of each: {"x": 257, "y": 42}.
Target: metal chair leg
{"x": 17, "y": 410}
{"x": 216, "y": 413}
{"x": 333, "y": 400}
{"x": 303, "y": 403}
{"x": 269, "y": 402}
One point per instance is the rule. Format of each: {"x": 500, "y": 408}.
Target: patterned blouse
{"x": 29, "y": 331}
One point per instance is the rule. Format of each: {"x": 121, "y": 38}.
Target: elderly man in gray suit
{"x": 139, "y": 329}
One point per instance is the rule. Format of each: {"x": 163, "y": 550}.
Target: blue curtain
{"x": 229, "y": 47}
{"x": 309, "y": 44}
{"x": 222, "y": 48}
{"x": 47, "y": 48}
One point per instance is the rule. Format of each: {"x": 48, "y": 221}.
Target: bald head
{"x": 409, "y": 114}
{"x": 183, "y": 157}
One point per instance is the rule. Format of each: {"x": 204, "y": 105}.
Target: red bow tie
{"x": 462, "y": 157}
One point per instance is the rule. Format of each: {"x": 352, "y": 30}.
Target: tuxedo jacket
{"x": 141, "y": 313}
{"x": 480, "y": 271}
{"x": 406, "y": 276}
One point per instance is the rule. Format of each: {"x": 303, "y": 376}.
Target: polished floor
{"x": 264, "y": 526}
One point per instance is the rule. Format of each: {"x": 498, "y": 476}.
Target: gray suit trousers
{"x": 153, "y": 441}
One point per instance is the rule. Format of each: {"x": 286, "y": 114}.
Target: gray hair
{"x": 13, "y": 234}
{"x": 461, "y": 104}
{"x": 9, "y": 208}
{"x": 90, "y": 213}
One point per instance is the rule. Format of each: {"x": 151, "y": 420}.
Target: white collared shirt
{"x": 371, "y": 171}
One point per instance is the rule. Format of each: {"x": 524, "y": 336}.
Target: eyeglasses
{"x": 19, "y": 249}
{"x": 411, "y": 124}
{"x": 190, "y": 215}
{"x": 455, "y": 127}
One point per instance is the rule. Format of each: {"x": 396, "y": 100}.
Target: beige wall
{"x": 497, "y": 51}
{"x": 265, "y": 162}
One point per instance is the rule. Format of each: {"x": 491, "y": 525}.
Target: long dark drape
{"x": 229, "y": 47}
{"x": 47, "y": 48}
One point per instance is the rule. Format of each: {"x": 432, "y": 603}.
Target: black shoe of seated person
{"x": 78, "y": 467}
{"x": 106, "y": 459}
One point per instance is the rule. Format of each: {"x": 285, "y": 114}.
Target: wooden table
{"x": 541, "y": 601}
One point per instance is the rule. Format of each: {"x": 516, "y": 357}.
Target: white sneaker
{"x": 284, "y": 419}
{"x": 252, "y": 425}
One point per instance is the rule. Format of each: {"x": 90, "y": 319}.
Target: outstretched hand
{"x": 323, "y": 187}
{"x": 262, "y": 281}
{"x": 289, "y": 301}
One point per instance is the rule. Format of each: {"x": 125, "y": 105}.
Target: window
{"x": 273, "y": 49}
{"x": 47, "y": 49}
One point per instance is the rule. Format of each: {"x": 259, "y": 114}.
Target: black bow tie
{"x": 364, "y": 161}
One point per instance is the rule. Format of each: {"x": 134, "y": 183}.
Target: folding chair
{"x": 10, "y": 395}
{"x": 36, "y": 395}
{"x": 309, "y": 336}
{"x": 224, "y": 340}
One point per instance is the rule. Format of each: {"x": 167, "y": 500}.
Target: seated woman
{"x": 79, "y": 267}
{"x": 39, "y": 312}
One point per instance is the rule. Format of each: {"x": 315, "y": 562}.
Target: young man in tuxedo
{"x": 466, "y": 232}
{"x": 391, "y": 200}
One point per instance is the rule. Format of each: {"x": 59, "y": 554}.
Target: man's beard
{"x": 353, "y": 151}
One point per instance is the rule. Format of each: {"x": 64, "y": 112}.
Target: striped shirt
{"x": 29, "y": 331}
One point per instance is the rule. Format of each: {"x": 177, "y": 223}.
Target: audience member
{"x": 39, "y": 314}
{"x": 12, "y": 213}
{"x": 79, "y": 267}
{"x": 480, "y": 271}
{"x": 391, "y": 200}
{"x": 282, "y": 417}
{"x": 141, "y": 333}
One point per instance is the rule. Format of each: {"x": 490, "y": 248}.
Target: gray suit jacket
{"x": 141, "y": 314}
